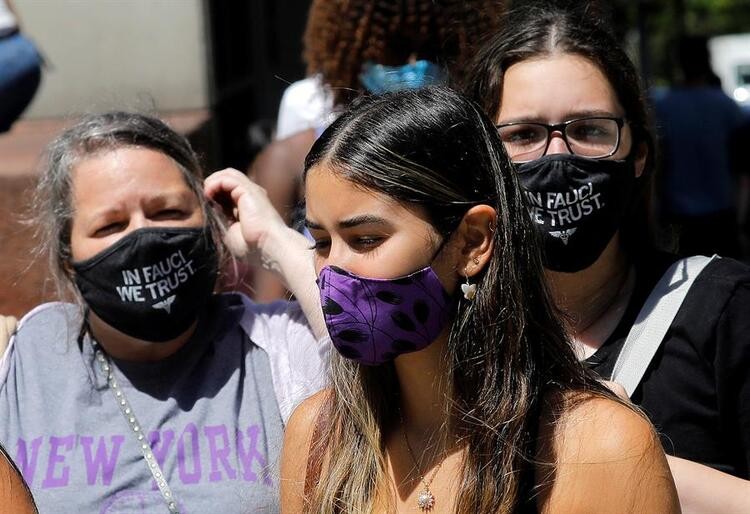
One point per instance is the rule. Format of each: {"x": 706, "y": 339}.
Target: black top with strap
{"x": 696, "y": 390}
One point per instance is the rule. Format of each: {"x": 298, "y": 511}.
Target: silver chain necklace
{"x": 135, "y": 428}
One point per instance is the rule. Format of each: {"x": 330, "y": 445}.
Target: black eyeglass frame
{"x": 562, "y": 129}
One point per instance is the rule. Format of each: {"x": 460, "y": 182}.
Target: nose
{"x": 339, "y": 255}
{"x": 557, "y": 144}
{"x": 138, "y": 220}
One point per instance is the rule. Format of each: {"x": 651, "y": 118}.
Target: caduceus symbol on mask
{"x": 165, "y": 304}
{"x": 563, "y": 235}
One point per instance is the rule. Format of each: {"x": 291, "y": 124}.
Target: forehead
{"x": 555, "y": 88}
{"x": 330, "y": 198}
{"x": 128, "y": 173}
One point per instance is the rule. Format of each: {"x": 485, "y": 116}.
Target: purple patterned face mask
{"x": 372, "y": 321}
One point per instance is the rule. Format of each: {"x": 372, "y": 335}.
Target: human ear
{"x": 65, "y": 262}
{"x": 640, "y": 159}
{"x": 475, "y": 239}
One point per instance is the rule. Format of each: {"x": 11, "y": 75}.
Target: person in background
{"x": 20, "y": 68}
{"x": 361, "y": 47}
{"x": 696, "y": 123}
{"x": 148, "y": 392}
{"x": 584, "y": 156}
{"x": 454, "y": 387}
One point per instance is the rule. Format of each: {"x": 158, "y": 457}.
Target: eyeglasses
{"x": 596, "y": 137}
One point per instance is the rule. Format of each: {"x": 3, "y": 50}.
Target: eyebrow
{"x": 356, "y": 221}
{"x": 167, "y": 197}
{"x": 570, "y": 116}
{"x": 158, "y": 199}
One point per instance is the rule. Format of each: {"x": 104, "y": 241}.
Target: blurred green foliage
{"x": 662, "y": 22}
{"x": 716, "y": 16}
{"x": 651, "y": 28}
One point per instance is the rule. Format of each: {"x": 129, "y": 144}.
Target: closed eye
{"x": 169, "y": 214}
{"x": 366, "y": 243}
{"x": 109, "y": 229}
{"x": 320, "y": 244}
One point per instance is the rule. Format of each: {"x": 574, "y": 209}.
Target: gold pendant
{"x": 425, "y": 500}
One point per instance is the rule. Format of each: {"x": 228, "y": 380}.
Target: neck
{"x": 425, "y": 392}
{"x": 594, "y": 299}
{"x": 124, "y": 347}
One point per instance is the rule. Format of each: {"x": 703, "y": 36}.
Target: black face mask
{"x": 577, "y": 204}
{"x": 152, "y": 283}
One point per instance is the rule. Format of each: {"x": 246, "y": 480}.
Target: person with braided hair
{"x": 360, "y": 47}
{"x": 344, "y": 39}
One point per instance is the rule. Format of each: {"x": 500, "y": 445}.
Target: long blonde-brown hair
{"x": 507, "y": 348}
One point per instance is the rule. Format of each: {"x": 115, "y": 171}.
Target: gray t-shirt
{"x": 210, "y": 412}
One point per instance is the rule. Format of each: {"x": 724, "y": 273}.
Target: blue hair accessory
{"x": 379, "y": 79}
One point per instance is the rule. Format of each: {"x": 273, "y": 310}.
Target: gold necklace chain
{"x": 425, "y": 500}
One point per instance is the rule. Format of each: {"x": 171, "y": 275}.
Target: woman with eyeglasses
{"x": 675, "y": 333}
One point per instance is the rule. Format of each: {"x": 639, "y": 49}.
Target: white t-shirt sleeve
{"x": 304, "y": 105}
{"x": 43, "y": 310}
{"x": 299, "y": 362}
{"x": 7, "y": 19}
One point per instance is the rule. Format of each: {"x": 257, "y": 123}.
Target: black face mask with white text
{"x": 577, "y": 205}
{"x": 152, "y": 283}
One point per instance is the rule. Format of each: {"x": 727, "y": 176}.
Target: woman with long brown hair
{"x": 454, "y": 388}
{"x": 584, "y": 157}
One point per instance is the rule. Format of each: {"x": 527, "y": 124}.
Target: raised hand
{"x": 253, "y": 221}
{"x": 258, "y": 233}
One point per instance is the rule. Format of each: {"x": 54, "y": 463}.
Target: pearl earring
{"x": 468, "y": 289}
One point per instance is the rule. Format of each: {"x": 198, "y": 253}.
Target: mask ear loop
{"x": 84, "y": 327}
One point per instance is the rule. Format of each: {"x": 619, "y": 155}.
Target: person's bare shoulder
{"x": 605, "y": 457}
{"x": 302, "y": 421}
{"x": 14, "y": 493}
{"x": 294, "y": 455}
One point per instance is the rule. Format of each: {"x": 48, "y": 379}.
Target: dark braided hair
{"x": 342, "y": 35}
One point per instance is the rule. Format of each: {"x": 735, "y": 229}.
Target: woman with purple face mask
{"x": 454, "y": 387}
